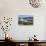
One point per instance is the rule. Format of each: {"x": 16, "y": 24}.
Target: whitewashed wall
{"x": 13, "y": 8}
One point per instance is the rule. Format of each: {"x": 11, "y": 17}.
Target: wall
{"x": 45, "y": 28}
{"x": 13, "y": 8}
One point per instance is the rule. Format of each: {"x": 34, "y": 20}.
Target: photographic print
{"x": 25, "y": 20}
